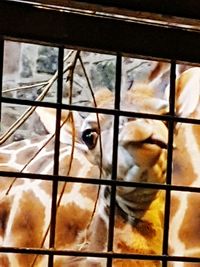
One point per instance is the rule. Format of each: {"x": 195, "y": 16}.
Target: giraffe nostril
{"x": 89, "y": 137}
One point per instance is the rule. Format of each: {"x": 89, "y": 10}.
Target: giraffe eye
{"x": 89, "y": 137}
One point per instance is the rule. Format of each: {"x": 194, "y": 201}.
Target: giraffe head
{"x": 142, "y": 146}
{"x": 142, "y": 142}
{"x": 137, "y": 135}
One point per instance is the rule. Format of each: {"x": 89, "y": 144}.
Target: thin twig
{"x": 95, "y": 104}
{"x": 100, "y": 143}
{"x": 25, "y": 87}
{"x": 70, "y": 76}
{"x": 69, "y": 117}
{"x": 59, "y": 200}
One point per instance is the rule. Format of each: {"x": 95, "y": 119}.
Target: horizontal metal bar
{"x": 184, "y": 8}
{"x": 97, "y": 33}
{"x": 96, "y": 181}
{"x": 96, "y": 254}
{"x": 99, "y": 110}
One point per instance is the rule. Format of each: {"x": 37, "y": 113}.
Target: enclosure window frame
{"x": 51, "y": 38}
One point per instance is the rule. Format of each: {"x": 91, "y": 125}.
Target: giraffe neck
{"x": 184, "y": 225}
{"x": 128, "y": 233}
{"x": 25, "y": 204}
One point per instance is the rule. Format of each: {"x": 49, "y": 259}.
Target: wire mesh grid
{"x": 113, "y": 182}
{"x": 171, "y": 119}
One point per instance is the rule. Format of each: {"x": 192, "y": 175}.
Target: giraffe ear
{"x": 187, "y": 92}
{"x": 48, "y": 119}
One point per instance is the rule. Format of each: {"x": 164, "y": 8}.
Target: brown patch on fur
{"x": 196, "y": 131}
{"x": 26, "y": 154}
{"x": 4, "y": 262}
{"x": 98, "y": 235}
{"x": 190, "y": 264}
{"x": 170, "y": 251}
{"x": 27, "y": 259}
{"x": 65, "y": 187}
{"x": 65, "y": 164}
{"x": 39, "y": 165}
{"x": 4, "y": 158}
{"x": 50, "y": 145}
{"x": 175, "y": 202}
{"x": 71, "y": 220}
{"x": 160, "y": 68}
{"x": 89, "y": 191}
{"x": 135, "y": 263}
{"x": 96, "y": 264}
{"x": 5, "y": 183}
{"x": 195, "y": 254}
{"x": 183, "y": 173}
{"x": 145, "y": 229}
{"x": 37, "y": 139}
{"x": 189, "y": 232}
{"x": 93, "y": 264}
{"x": 27, "y": 228}
{"x": 16, "y": 145}
{"x": 127, "y": 249}
{"x": 93, "y": 172}
{"x": 5, "y": 206}
{"x": 78, "y": 262}
{"x": 119, "y": 221}
{"x": 68, "y": 187}
{"x": 58, "y": 263}
{"x": 8, "y": 168}
{"x": 47, "y": 187}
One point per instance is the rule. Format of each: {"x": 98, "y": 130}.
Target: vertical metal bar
{"x": 56, "y": 155}
{"x": 169, "y": 159}
{"x": 1, "y": 74}
{"x": 114, "y": 158}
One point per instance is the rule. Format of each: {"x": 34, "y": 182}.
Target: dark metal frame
{"x": 24, "y": 22}
{"x": 176, "y": 8}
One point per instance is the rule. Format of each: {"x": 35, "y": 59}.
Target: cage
{"x": 79, "y": 185}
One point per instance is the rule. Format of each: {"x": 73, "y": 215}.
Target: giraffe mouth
{"x": 156, "y": 142}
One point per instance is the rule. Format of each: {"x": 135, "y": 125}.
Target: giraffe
{"x": 25, "y": 204}
{"x": 136, "y": 230}
{"x": 38, "y": 195}
{"x": 184, "y": 239}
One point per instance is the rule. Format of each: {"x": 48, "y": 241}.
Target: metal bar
{"x": 114, "y": 157}
{"x": 169, "y": 159}
{"x": 101, "y": 110}
{"x": 80, "y": 31}
{"x": 179, "y": 9}
{"x": 1, "y": 75}
{"x": 84, "y": 180}
{"x": 183, "y": 7}
{"x": 56, "y": 155}
{"x": 97, "y": 254}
